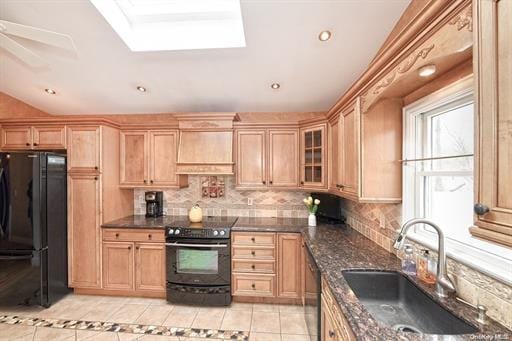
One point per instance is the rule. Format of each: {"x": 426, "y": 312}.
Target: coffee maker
{"x": 154, "y": 203}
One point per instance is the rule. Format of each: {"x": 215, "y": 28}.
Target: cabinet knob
{"x": 264, "y": 182}
{"x": 117, "y": 235}
{"x": 129, "y": 247}
{"x": 150, "y": 236}
{"x": 35, "y": 143}
{"x": 302, "y": 182}
{"x": 480, "y": 209}
{"x": 253, "y": 286}
{"x": 145, "y": 181}
{"x": 151, "y": 181}
{"x": 270, "y": 182}
{"x": 253, "y": 266}
{"x": 27, "y": 144}
{"x": 253, "y": 253}
{"x": 137, "y": 247}
{"x": 96, "y": 167}
{"x": 332, "y": 334}
{"x": 95, "y": 178}
{"x": 253, "y": 239}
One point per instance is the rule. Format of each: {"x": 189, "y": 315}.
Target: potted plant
{"x": 312, "y": 206}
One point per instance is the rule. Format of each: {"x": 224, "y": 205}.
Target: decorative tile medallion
{"x": 213, "y": 187}
{"x": 126, "y": 328}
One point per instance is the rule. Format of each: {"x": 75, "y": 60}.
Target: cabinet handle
{"x": 253, "y": 286}
{"x": 253, "y": 253}
{"x": 253, "y": 266}
{"x": 480, "y": 209}
{"x": 332, "y": 334}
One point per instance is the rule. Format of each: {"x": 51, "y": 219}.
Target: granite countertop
{"x": 336, "y": 249}
{"x": 140, "y": 222}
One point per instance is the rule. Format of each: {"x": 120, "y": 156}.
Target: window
{"x": 438, "y": 179}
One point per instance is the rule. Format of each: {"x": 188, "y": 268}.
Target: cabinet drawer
{"x": 133, "y": 235}
{"x": 253, "y": 253}
{"x": 256, "y": 266}
{"x": 253, "y": 285}
{"x": 257, "y": 238}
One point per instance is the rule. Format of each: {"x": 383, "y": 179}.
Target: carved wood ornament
{"x": 464, "y": 19}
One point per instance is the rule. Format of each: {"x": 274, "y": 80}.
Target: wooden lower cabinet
{"x": 133, "y": 267}
{"x": 289, "y": 265}
{"x": 334, "y": 325}
{"x": 267, "y": 266}
{"x": 118, "y": 265}
{"x": 150, "y": 266}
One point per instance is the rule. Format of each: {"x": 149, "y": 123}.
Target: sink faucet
{"x": 444, "y": 285}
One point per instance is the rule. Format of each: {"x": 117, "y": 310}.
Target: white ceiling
{"x": 282, "y": 46}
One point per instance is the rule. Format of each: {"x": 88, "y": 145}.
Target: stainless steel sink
{"x": 396, "y": 301}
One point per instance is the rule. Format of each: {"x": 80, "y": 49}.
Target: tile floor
{"x": 262, "y": 322}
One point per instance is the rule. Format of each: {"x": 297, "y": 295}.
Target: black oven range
{"x": 199, "y": 261}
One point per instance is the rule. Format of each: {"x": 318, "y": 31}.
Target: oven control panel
{"x": 210, "y": 233}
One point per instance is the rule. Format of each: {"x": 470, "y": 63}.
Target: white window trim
{"x": 488, "y": 258}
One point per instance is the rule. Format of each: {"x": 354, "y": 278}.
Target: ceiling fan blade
{"x": 21, "y": 52}
{"x": 44, "y": 36}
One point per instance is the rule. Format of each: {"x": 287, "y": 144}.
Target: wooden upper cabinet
{"x": 313, "y": 157}
{"x": 493, "y": 74}
{"x": 348, "y": 149}
{"x": 332, "y": 154}
{"x": 148, "y": 158}
{"x": 251, "y": 158}
{"x": 84, "y": 152}
{"x": 289, "y": 265}
{"x": 49, "y": 137}
{"x": 365, "y": 156}
{"x": 150, "y": 266}
{"x": 118, "y": 262}
{"x": 16, "y": 138}
{"x": 162, "y": 158}
{"x": 283, "y": 169}
{"x": 134, "y": 152}
{"x": 84, "y": 230}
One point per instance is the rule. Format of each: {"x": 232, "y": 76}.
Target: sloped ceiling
{"x": 282, "y": 46}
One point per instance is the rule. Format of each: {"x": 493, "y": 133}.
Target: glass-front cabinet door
{"x": 313, "y": 157}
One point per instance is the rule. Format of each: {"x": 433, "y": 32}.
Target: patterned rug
{"x": 126, "y": 328}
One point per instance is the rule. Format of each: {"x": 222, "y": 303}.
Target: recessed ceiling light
{"x": 324, "y": 35}
{"x": 141, "y": 88}
{"x": 50, "y": 91}
{"x": 275, "y": 86}
{"x": 427, "y": 70}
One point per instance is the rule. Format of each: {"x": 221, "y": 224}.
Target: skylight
{"x": 156, "y": 25}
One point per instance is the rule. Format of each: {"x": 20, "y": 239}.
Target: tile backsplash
{"x": 265, "y": 203}
{"x": 379, "y": 223}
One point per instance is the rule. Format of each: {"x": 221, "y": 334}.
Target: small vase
{"x": 312, "y": 219}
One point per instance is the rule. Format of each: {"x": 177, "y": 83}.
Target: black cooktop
{"x": 208, "y": 222}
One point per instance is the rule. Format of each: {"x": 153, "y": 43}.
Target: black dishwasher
{"x": 312, "y": 297}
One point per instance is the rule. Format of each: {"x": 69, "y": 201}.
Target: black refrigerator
{"x": 33, "y": 228}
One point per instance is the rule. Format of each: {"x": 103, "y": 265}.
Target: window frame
{"x": 489, "y": 258}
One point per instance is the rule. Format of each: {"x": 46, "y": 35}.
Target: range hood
{"x": 206, "y": 143}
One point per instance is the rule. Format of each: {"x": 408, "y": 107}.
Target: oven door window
{"x": 193, "y": 261}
